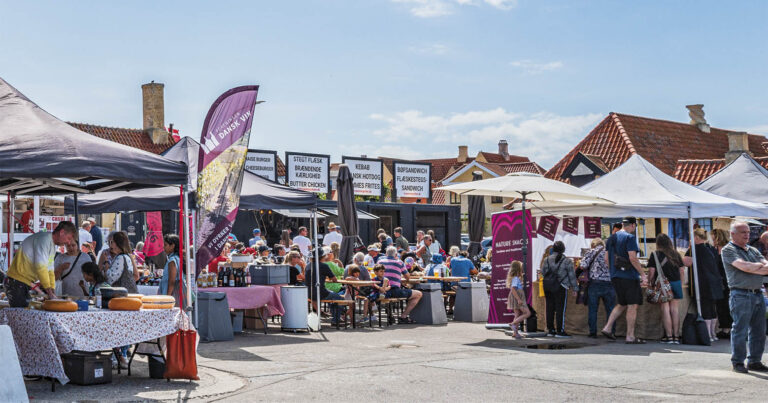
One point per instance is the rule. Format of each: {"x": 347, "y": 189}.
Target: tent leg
{"x": 74, "y": 204}
{"x": 191, "y": 244}
{"x": 36, "y": 214}
{"x": 317, "y": 265}
{"x": 11, "y": 212}
{"x": 185, "y": 228}
{"x": 694, "y": 266}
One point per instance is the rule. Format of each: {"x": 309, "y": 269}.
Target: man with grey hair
{"x": 395, "y": 271}
{"x": 744, "y": 269}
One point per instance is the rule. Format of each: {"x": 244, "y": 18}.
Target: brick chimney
{"x": 738, "y": 143}
{"x": 696, "y": 113}
{"x": 504, "y": 149}
{"x": 463, "y": 154}
{"x": 154, "y": 112}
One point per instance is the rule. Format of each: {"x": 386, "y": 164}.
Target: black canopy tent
{"x": 256, "y": 193}
{"x": 42, "y": 155}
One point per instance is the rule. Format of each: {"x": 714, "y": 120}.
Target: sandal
{"x": 667, "y": 340}
{"x": 635, "y": 341}
{"x": 610, "y": 336}
{"x": 406, "y": 321}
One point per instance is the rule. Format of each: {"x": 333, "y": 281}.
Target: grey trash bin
{"x": 471, "y": 302}
{"x": 430, "y": 310}
{"x": 215, "y": 323}
{"x": 294, "y": 299}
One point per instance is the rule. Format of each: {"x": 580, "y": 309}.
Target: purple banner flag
{"x": 507, "y": 230}
{"x": 223, "y": 148}
{"x": 571, "y": 225}
{"x": 592, "y": 227}
{"x": 548, "y": 227}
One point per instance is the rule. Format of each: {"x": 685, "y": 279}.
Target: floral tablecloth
{"x": 252, "y": 297}
{"x": 41, "y": 336}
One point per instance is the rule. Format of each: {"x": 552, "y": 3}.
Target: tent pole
{"x": 36, "y": 214}
{"x": 11, "y": 203}
{"x": 694, "y": 267}
{"x": 645, "y": 241}
{"x": 74, "y": 204}
{"x": 185, "y": 229}
{"x": 317, "y": 266}
{"x": 191, "y": 244}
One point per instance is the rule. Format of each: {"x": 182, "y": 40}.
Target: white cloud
{"x": 436, "y": 49}
{"x": 532, "y": 67}
{"x": 759, "y": 129}
{"x": 544, "y": 137}
{"x": 439, "y": 8}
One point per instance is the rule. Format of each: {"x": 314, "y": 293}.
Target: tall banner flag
{"x": 153, "y": 243}
{"x": 223, "y": 148}
{"x": 507, "y": 230}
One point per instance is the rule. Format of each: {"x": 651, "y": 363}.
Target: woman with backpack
{"x": 667, "y": 262}
{"x": 559, "y": 277}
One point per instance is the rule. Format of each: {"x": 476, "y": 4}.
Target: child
{"x": 380, "y": 287}
{"x": 95, "y": 278}
{"x": 516, "y": 299}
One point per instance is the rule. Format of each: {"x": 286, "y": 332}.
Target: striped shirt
{"x": 393, "y": 270}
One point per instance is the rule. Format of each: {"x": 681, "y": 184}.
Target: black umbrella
{"x": 345, "y": 192}
{"x": 476, "y": 220}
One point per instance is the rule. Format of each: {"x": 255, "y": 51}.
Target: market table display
{"x": 254, "y": 297}
{"x": 41, "y": 336}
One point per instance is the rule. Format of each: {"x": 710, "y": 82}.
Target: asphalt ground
{"x": 459, "y": 361}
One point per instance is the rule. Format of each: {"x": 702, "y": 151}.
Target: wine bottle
{"x": 231, "y": 278}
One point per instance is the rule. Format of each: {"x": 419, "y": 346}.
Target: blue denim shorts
{"x": 677, "y": 289}
{"x": 399, "y": 292}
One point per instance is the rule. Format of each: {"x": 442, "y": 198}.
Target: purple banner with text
{"x": 548, "y": 227}
{"x": 592, "y": 227}
{"x": 507, "y": 229}
{"x": 223, "y": 148}
{"x": 571, "y": 225}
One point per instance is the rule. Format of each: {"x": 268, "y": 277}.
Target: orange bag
{"x": 181, "y": 354}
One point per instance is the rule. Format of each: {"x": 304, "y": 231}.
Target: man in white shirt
{"x": 302, "y": 240}
{"x": 333, "y": 235}
{"x": 85, "y": 233}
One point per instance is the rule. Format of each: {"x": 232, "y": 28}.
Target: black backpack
{"x": 551, "y": 281}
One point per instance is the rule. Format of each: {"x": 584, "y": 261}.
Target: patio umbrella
{"x": 525, "y": 186}
{"x": 345, "y": 192}
{"x": 476, "y": 222}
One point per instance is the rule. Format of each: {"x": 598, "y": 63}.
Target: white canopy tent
{"x": 642, "y": 190}
{"x": 744, "y": 179}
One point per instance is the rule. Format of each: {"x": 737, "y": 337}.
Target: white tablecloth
{"x": 41, "y": 337}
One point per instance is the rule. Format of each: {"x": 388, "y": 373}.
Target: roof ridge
{"x": 678, "y": 123}
{"x": 624, "y": 134}
{"x": 104, "y": 126}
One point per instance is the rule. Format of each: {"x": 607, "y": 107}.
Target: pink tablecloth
{"x": 41, "y": 336}
{"x": 253, "y": 297}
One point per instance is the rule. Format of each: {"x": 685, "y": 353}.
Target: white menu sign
{"x": 262, "y": 163}
{"x": 366, "y": 175}
{"x": 412, "y": 180}
{"x": 307, "y": 172}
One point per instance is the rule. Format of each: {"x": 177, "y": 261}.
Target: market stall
{"x": 41, "y": 337}
{"x": 730, "y": 180}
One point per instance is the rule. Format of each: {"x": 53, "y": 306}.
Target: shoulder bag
{"x": 660, "y": 291}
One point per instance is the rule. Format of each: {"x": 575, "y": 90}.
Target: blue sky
{"x": 402, "y": 78}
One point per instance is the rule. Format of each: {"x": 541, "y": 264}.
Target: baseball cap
{"x": 437, "y": 258}
{"x": 263, "y": 248}
{"x": 629, "y": 220}
{"x": 91, "y": 219}
{"x": 256, "y": 231}
{"x": 373, "y": 248}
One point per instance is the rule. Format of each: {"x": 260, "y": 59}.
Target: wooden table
{"x": 353, "y": 289}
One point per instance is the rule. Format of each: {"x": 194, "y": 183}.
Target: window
{"x": 705, "y": 223}
{"x": 497, "y": 199}
{"x": 455, "y": 198}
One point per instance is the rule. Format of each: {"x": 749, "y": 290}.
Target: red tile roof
{"x": 530, "y": 166}
{"x": 136, "y": 138}
{"x": 439, "y": 197}
{"x": 499, "y": 159}
{"x": 695, "y": 171}
{"x": 661, "y": 142}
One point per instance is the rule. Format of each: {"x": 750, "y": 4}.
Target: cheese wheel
{"x": 158, "y": 302}
{"x": 124, "y": 304}
{"x": 59, "y": 305}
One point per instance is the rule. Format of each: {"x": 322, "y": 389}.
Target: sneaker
{"x": 740, "y": 368}
{"x": 563, "y": 335}
{"x": 757, "y": 366}
{"x": 551, "y": 333}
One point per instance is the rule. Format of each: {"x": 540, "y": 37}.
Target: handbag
{"x": 694, "y": 331}
{"x": 180, "y": 353}
{"x": 661, "y": 290}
